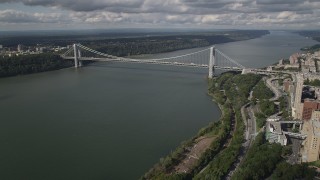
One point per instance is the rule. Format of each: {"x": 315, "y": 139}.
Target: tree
{"x": 26, "y": 64}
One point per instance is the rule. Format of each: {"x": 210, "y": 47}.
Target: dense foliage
{"x": 285, "y": 171}
{"x": 260, "y": 119}
{"x": 122, "y": 37}
{"x": 261, "y": 91}
{"x": 236, "y": 88}
{"x": 260, "y": 96}
{"x": 158, "y": 44}
{"x": 220, "y": 165}
{"x": 267, "y": 107}
{"x": 260, "y": 161}
{"x": 26, "y": 64}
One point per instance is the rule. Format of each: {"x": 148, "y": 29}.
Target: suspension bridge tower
{"x": 77, "y": 55}
{"x": 211, "y": 61}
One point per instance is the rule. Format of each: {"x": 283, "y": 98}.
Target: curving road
{"x": 274, "y": 89}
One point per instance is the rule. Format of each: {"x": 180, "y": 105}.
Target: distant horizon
{"x": 149, "y": 29}
{"x": 118, "y": 32}
{"x": 22, "y": 15}
{"x": 124, "y": 32}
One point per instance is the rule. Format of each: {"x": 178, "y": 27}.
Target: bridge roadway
{"x": 291, "y": 122}
{"x": 146, "y": 61}
{"x": 296, "y": 135}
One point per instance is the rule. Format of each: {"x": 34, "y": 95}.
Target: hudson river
{"x": 112, "y": 120}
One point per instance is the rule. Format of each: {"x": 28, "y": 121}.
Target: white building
{"x": 274, "y": 133}
{"x": 19, "y": 48}
{"x": 298, "y": 106}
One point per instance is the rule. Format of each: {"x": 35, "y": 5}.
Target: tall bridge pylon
{"x": 211, "y": 62}
{"x": 210, "y": 58}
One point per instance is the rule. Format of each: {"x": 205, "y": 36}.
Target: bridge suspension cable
{"x": 229, "y": 59}
{"x": 154, "y": 59}
{"x": 206, "y": 58}
{"x": 210, "y": 58}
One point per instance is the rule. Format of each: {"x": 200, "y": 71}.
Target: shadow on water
{"x": 174, "y": 69}
{"x": 5, "y": 97}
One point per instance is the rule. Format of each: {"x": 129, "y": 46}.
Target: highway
{"x": 249, "y": 134}
{"x": 294, "y": 157}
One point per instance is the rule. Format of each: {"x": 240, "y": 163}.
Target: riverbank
{"x": 193, "y": 155}
{"x": 226, "y": 135}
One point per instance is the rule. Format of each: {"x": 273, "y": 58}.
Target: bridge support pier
{"x": 211, "y": 62}
{"x": 76, "y": 60}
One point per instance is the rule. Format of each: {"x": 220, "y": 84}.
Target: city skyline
{"x": 102, "y": 14}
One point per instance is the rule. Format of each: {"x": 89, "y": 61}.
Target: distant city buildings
{"x": 294, "y": 58}
{"x": 20, "y": 48}
{"x": 25, "y": 50}
{"x": 300, "y": 62}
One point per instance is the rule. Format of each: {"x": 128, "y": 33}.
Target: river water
{"x": 112, "y": 120}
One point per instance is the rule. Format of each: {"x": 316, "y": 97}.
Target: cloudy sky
{"x": 97, "y": 14}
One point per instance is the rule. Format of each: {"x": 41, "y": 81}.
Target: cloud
{"x": 81, "y": 5}
{"x": 233, "y": 13}
{"x": 13, "y": 16}
{"x": 273, "y": 2}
